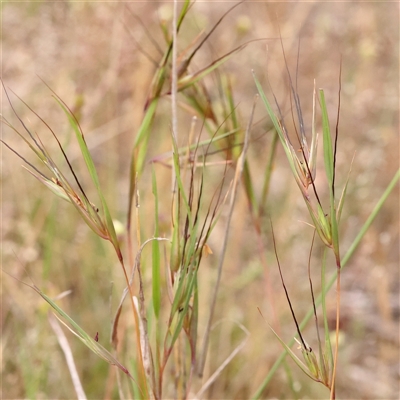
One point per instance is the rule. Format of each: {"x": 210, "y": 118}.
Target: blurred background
{"x": 98, "y": 57}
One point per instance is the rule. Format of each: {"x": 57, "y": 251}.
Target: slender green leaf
{"x": 289, "y": 151}
{"x": 147, "y": 120}
{"x": 268, "y": 171}
{"x": 249, "y": 187}
{"x": 92, "y": 344}
{"x": 93, "y": 174}
{"x": 314, "y": 140}
{"x": 324, "y": 222}
{"x": 330, "y": 173}
{"x": 327, "y": 140}
{"x": 321, "y": 229}
{"x": 343, "y": 195}
{"x": 181, "y": 313}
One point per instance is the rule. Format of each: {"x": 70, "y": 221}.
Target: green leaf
{"x": 289, "y": 151}
{"x": 86, "y": 339}
{"x": 327, "y": 140}
{"x": 268, "y": 172}
{"x": 314, "y": 140}
{"x": 321, "y": 227}
{"x": 330, "y": 173}
{"x": 57, "y": 190}
{"x": 325, "y": 225}
{"x": 343, "y": 195}
{"x": 179, "y": 314}
{"x": 147, "y": 120}
{"x": 249, "y": 187}
{"x": 93, "y": 174}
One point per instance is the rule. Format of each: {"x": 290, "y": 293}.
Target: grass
{"x": 183, "y": 206}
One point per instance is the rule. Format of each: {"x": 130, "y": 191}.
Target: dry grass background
{"x": 86, "y": 52}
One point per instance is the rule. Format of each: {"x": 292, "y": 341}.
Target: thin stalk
{"x": 332, "y": 396}
{"x": 305, "y": 347}
{"x": 321, "y": 358}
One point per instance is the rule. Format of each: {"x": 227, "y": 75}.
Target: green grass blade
{"x": 320, "y": 223}
{"x": 371, "y": 218}
{"x": 329, "y": 160}
{"x": 314, "y": 139}
{"x": 268, "y": 172}
{"x": 81, "y": 141}
{"x": 343, "y": 195}
{"x": 94, "y": 346}
{"x": 93, "y": 173}
{"x": 186, "y": 283}
{"x": 249, "y": 187}
{"x": 57, "y": 190}
{"x": 327, "y": 140}
{"x": 278, "y": 127}
{"x": 183, "y": 310}
{"x": 146, "y": 123}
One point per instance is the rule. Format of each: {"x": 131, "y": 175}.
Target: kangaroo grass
{"x": 99, "y": 220}
{"x": 161, "y": 350}
{"x": 190, "y": 231}
{"x": 318, "y": 300}
{"x": 303, "y": 168}
{"x": 80, "y": 333}
{"x": 304, "y": 173}
{"x": 181, "y": 80}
